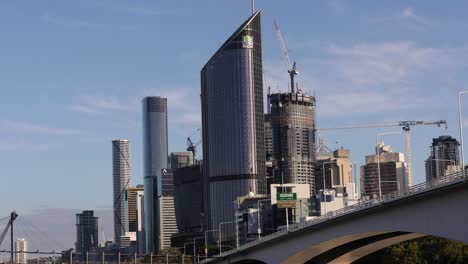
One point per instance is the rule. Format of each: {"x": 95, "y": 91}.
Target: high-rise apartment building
{"x": 155, "y": 152}
{"x": 181, "y": 159}
{"x": 393, "y": 175}
{"x": 134, "y": 214}
{"x": 21, "y": 247}
{"x": 293, "y": 138}
{"x": 121, "y": 180}
{"x": 233, "y": 122}
{"x": 444, "y": 157}
{"x": 87, "y": 239}
{"x": 168, "y": 223}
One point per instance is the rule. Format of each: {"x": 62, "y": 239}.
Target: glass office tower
{"x": 154, "y": 160}
{"x": 233, "y": 123}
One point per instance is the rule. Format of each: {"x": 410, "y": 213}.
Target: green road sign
{"x": 286, "y": 200}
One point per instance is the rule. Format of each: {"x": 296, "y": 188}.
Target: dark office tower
{"x": 154, "y": 160}
{"x": 87, "y": 239}
{"x": 233, "y": 122}
{"x": 293, "y": 132}
{"x": 444, "y": 158}
{"x": 121, "y": 180}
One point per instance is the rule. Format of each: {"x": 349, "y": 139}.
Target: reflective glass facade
{"x": 233, "y": 122}
{"x": 121, "y": 180}
{"x": 154, "y": 160}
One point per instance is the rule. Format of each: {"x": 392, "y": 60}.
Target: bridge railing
{"x": 362, "y": 204}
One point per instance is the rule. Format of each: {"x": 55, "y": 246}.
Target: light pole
{"x": 378, "y": 158}
{"x": 206, "y": 241}
{"x": 259, "y": 229}
{"x": 324, "y": 187}
{"x": 460, "y": 123}
{"x": 220, "y": 237}
{"x": 195, "y": 245}
{"x": 183, "y": 255}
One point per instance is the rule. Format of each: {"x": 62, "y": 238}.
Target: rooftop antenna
{"x": 253, "y": 7}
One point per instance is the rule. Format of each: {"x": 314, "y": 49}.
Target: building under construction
{"x": 292, "y": 120}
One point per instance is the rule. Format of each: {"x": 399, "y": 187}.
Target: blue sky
{"x": 72, "y": 75}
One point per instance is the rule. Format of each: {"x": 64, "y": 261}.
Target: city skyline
{"x": 100, "y": 108}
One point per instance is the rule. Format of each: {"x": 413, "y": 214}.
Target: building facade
{"x": 155, "y": 145}
{"x": 393, "y": 176}
{"x": 292, "y": 122}
{"x": 87, "y": 239}
{"x": 444, "y": 157}
{"x": 338, "y": 169}
{"x": 181, "y": 159}
{"x": 188, "y": 194}
{"x": 233, "y": 122}
{"x": 21, "y": 247}
{"x": 121, "y": 180}
{"x": 134, "y": 213}
{"x": 168, "y": 223}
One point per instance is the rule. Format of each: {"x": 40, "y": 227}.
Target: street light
{"x": 461, "y": 130}
{"x": 378, "y": 158}
{"x": 324, "y": 187}
{"x": 259, "y": 229}
{"x": 195, "y": 244}
{"x": 183, "y": 256}
{"x": 206, "y": 241}
{"x": 220, "y": 237}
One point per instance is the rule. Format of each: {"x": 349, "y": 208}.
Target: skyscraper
{"x": 121, "y": 180}
{"x": 444, "y": 157}
{"x": 233, "y": 122}
{"x": 293, "y": 135}
{"x": 167, "y": 215}
{"x": 21, "y": 246}
{"x": 87, "y": 239}
{"x": 134, "y": 214}
{"x": 155, "y": 146}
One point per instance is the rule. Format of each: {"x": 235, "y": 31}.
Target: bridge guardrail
{"x": 360, "y": 205}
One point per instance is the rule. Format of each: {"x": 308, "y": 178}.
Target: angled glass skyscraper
{"x": 233, "y": 123}
{"x": 154, "y": 160}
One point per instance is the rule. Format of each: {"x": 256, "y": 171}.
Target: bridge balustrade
{"x": 361, "y": 205}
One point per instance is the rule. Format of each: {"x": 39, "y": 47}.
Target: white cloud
{"x": 183, "y": 104}
{"x": 384, "y": 63}
{"x": 69, "y": 22}
{"x": 406, "y": 18}
{"x": 103, "y": 104}
{"x": 349, "y": 103}
{"x": 26, "y": 127}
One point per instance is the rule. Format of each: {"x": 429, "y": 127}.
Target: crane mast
{"x": 406, "y": 126}
{"x": 291, "y": 69}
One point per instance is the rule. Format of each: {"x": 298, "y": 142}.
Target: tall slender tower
{"x": 233, "y": 123}
{"x": 155, "y": 153}
{"x": 121, "y": 180}
{"x": 21, "y": 249}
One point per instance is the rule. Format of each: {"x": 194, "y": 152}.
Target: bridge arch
{"x": 441, "y": 212}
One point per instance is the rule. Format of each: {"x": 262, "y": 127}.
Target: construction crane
{"x": 192, "y": 147}
{"x": 291, "y": 69}
{"x": 406, "y": 126}
{"x": 9, "y": 225}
